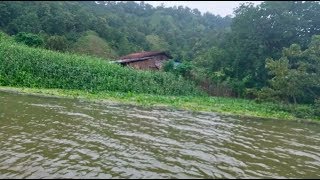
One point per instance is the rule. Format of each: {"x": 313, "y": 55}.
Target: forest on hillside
{"x": 269, "y": 52}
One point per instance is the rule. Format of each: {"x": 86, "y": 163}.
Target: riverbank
{"x": 228, "y": 106}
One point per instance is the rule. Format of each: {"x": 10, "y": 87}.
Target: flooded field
{"x": 42, "y": 137}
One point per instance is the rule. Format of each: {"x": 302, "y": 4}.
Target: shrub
{"x": 317, "y": 107}
{"x": 29, "y": 39}
{"x": 91, "y": 44}
{"x": 303, "y": 111}
{"x": 168, "y": 66}
{"x": 57, "y": 43}
{"x": 267, "y": 94}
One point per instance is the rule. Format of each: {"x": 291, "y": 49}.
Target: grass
{"x": 238, "y": 107}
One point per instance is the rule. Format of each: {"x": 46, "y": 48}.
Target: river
{"x": 45, "y": 137}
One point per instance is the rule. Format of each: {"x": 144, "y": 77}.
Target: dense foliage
{"x": 296, "y": 75}
{"x": 126, "y": 26}
{"x": 268, "y": 52}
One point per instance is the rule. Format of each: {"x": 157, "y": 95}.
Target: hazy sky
{"x": 221, "y": 8}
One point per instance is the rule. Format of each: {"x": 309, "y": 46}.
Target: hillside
{"x": 23, "y": 66}
{"x": 124, "y": 25}
{"x": 266, "y": 52}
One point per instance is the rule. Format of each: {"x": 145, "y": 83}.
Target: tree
{"x": 91, "y": 44}
{"x": 157, "y": 43}
{"x": 57, "y": 43}
{"x": 258, "y": 32}
{"x": 295, "y": 76}
{"x": 29, "y": 39}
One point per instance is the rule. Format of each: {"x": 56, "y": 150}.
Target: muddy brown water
{"x": 42, "y": 137}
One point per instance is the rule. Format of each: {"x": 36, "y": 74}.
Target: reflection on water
{"x": 62, "y": 138}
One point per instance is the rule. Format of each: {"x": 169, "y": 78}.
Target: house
{"x": 151, "y": 60}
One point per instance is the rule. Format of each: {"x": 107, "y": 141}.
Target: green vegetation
{"x": 57, "y": 43}
{"x": 268, "y": 52}
{"x": 91, "y": 44}
{"x": 228, "y": 106}
{"x": 125, "y": 26}
{"x": 295, "y": 75}
{"x": 23, "y": 66}
{"x": 29, "y": 39}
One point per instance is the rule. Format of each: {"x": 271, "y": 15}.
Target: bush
{"x": 3, "y": 36}
{"x": 317, "y": 107}
{"x": 57, "y": 43}
{"x": 168, "y": 66}
{"x": 267, "y": 94}
{"x": 91, "y": 44}
{"x": 184, "y": 69}
{"x": 29, "y": 39}
{"x": 303, "y": 111}
{"x": 251, "y": 93}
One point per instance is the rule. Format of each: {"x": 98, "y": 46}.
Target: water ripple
{"x": 60, "y": 138}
